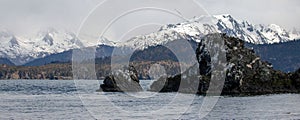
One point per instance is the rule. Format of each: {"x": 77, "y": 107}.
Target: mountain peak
{"x": 48, "y": 39}
{"x": 224, "y": 17}
{"x": 47, "y": 32}
{"x": 105, "y": 41}
{"x": 14, "y": 42}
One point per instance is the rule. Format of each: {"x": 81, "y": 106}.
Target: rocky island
{"x": 244, "y": 74}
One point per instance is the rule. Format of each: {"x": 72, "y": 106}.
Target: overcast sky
{"x": 24, "y": 16}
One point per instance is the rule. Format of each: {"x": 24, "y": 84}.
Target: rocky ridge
{"x": 245, "y": 74}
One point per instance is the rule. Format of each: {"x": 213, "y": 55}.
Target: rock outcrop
{"x": 122, "y": 81}
{"x": 244, "y": 73}
{"x": 295, "y": 77}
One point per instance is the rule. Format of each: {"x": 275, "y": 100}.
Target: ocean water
{"x": 38, "y": 99}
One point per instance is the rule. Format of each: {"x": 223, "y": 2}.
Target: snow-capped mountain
{"x": 257, "y": 34}
{"x": 196, "y": 28}
{"x": 21, "y": 49}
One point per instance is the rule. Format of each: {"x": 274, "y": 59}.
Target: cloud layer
{"x": 25, "y": 16}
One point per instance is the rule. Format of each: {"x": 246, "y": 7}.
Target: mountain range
{"x": 22, "y": 50}
{"x": 198, "y": 27}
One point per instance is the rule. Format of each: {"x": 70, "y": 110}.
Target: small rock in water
{"x": 122, "y": 81}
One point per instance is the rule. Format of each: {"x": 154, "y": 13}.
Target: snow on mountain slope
{"x": 53, "y": 41}
{"x": 195, "y": 28}
{"x": 23, "y": 49}
{"x": 257, "y": 34}
{"x": 11, "y": 46}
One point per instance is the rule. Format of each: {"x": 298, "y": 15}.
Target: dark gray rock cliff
{"x": 244, "y": 73}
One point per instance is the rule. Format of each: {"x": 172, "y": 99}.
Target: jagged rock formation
{"x": 244, "y": 74}
{"x": 122, "y": 81}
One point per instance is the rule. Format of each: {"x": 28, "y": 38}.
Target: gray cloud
{"x": 27, "y": 15}
{"x": 23, "y": 16}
